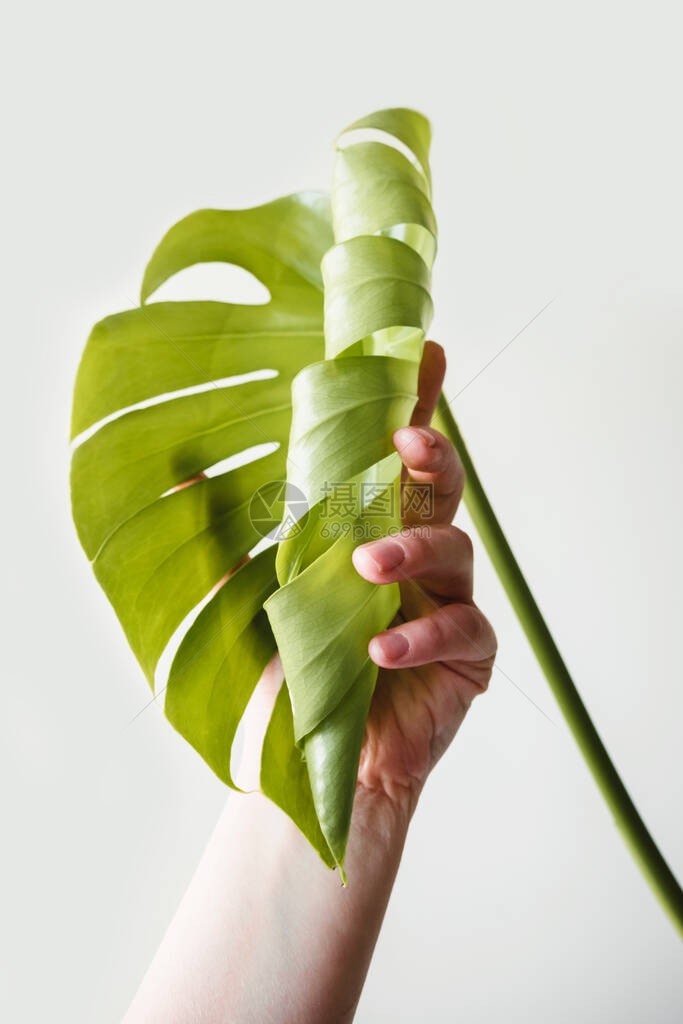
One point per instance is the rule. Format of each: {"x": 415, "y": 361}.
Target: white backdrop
{"x": 558, "y": 165}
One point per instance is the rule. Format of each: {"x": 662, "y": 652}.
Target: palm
{"x": 416, "y": 712}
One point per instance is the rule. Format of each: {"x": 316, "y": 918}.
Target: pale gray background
{"x": 558, "y": 165}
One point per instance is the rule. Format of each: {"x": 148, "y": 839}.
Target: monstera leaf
{"x": 158, "y": 554}
{"x": 159, "y": 402}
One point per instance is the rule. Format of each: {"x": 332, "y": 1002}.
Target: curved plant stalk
{"x": 636, "y": 836}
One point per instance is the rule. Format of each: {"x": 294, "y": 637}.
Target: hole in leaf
{"x": 163, "y": 668}
{"x": 242, "y": 458}
{"x": 220, "y": 282}
{"x": 196, "y": 389}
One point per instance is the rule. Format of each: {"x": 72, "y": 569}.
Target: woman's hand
{"x": 265, "y": 932}
{"x": 440, "y": 653}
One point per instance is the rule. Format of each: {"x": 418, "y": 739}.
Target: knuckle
{"x": 441, "y": 441}
{"x": 484, "y": 635}
{"x": 411, "y": 540}
{"x": 433, "y": 633}
{"x": 467, "y": 622}
{"x": 449, "y": 450}
{"x": 429, "y": 541}
{"x": 493, "y": 640}
{"x": 468, "y": 545}
{"x": 463, "y": 543}
{"x": 419, "y": 545}
{"x": 477, "y": 629}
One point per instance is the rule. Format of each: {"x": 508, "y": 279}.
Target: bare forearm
{"x": 265, "y": 931}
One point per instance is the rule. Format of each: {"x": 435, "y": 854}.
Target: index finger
{"x": 429, "y": 382}
{"x": 433, "y": 477}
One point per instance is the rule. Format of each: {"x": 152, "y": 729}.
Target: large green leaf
{"x": 155, "y": 410}
{"x": 159, "y": 554}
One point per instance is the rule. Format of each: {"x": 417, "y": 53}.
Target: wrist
{"x": 381, "y": 819}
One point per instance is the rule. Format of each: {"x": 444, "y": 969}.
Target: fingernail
{"x": 393, "y": 645}
{"x": 386, "y": 554}
{"x": 406, "y": 435}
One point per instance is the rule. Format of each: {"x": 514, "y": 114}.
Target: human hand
{"x": 439, "y": 655}
{"x": 259, "y": 879}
